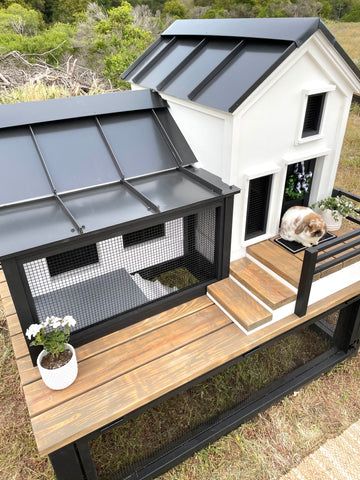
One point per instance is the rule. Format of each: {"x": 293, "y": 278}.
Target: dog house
{"x": 103, "y": 215}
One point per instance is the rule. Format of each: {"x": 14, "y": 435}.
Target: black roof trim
{"x": 286, "y": 29}
{"x": 30, "y": 113}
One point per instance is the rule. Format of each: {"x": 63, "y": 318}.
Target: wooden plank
{"x": 29, "y": 375}
{"x": 283, "y": 263}
{"x": 2, "y": 276}
{"x": 9, "y": 307}
{"x": 353, "y": 260}
{"x": 274, "y": 293}
{"x": 119, "y": 360}
{"x": 4, "y": 290}
{"x": 19, "y": 346}
{"x": 13, "y": 324}
{"x": 142, "y": 328}
{"x": 82, "y": 415}
{"x": 239, "y": 304}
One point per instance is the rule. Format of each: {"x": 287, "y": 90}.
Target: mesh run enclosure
{"x": 119, "y": 274}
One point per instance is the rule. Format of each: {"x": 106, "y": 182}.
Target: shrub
{"x": 110, "y": 42}
{"x": 55, "y": 41}
{"x": 175, "y": 9}
{"x": 20, "y": 20}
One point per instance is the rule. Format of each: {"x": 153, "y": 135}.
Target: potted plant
{"x": 334, "y": 209}
{"x": 57, "y": 362}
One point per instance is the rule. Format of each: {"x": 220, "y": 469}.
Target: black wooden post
{"x": 223, "y": 237}
{"x": 306, "y": 280}
{"x": 66, "y": 464}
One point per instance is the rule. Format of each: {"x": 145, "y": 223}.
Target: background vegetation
{"x": 105, "y": 36}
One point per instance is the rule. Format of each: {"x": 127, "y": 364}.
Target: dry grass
{"x": 349, "y": 168}
{"x": 348, "y": 35}
{"x": 262, "y": 449}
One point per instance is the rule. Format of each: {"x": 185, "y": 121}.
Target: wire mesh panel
{"x": 119, "y": 274}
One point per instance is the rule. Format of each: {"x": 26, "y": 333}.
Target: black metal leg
{"x": 86, "y": 459}
{"x": 347, "y": 333}
{"x": 66, "y": 464}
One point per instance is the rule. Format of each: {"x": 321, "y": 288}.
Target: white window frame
{"x": 326, "y": 89}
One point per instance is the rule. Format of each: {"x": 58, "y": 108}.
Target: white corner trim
{"x": 332, "y": 54}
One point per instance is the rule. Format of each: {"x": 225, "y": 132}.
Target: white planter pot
{"x": 61, "y": 377}
{"x": 331, "y": 224}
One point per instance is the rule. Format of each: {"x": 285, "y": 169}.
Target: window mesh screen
{"x": 124, "y": 279}
{"x": 313, "y": 114}
{"x": 258, "y": 205}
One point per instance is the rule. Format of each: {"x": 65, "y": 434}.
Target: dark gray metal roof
{"x": 218, "y": 63}
{"x": 99, "y": 167}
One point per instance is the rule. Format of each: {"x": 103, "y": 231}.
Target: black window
{"x": 67, "y": 261}
{"x": 144, "y": 235}
{"x": 313, "y": 114}
{"x": 258, "y": 206}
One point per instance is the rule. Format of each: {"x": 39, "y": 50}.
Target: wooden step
{"x": 283, "y": 263}
{"x": 239, "y": 304}
{"x": 272, "y": 292}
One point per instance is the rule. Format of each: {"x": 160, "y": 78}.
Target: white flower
{"x": 33, "y": 330}
{"x": 46, "y": 322}
{"x": 54, "y": 322}
{"x": 68, "y": 320}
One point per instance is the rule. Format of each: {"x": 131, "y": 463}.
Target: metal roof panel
{"x": 106, "y": 206}
{"x": 25, "y": 113}
{"x": 32, "y": 225}
{"x": 21, "y": 175}
{"x": 75, "y": 154}
{"x": 172, "y": 190}
{"x": 240, "y": 74}
{"x": 137, "y": 143}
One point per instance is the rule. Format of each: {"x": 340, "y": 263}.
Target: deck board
{"x": 280, "y": 261}
{"x": 239, "y": 304}
{"x": 113, "y": 363}
{"x": 81, "y": 415}
{"x": 133, "y": 366}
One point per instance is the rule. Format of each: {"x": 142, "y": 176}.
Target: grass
{"x": 262, "y": 449}
{"x": 179, "y": 277}
{"x": 151, "y": 431}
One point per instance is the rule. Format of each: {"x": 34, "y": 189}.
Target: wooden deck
{"x": 288, "y": 265}
{"x": 129, "y": 368}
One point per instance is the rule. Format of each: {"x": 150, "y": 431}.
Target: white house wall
{"x": 267, "y": 133}
{"x": 208, "y": 133}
